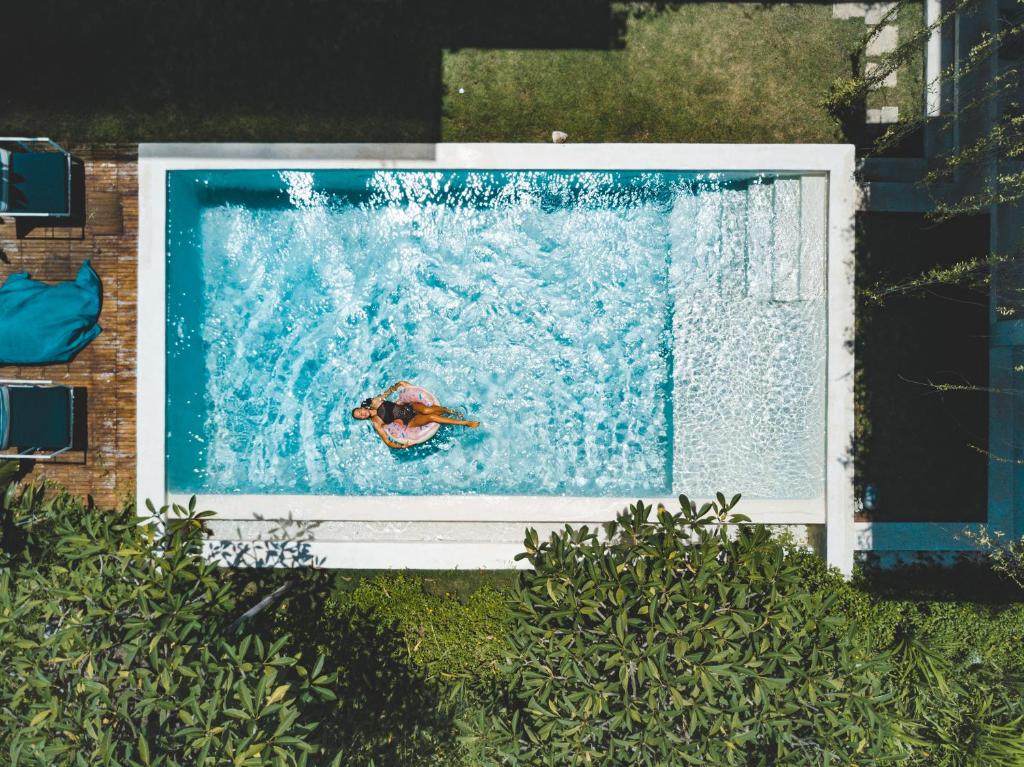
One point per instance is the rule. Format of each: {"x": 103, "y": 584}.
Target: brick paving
{"x": 106, "y": 469}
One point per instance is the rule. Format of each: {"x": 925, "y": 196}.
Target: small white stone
{"x": 848, "y": 10}
{"x": 889, "y": 81}
{"x": 876, "y": 12}
{"x": 884, "y": 115}
{"x": 558, "y": 137}
{"x": 462, "y": 90}
{"x": 885, "y": 41}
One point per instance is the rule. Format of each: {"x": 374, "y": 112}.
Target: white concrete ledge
{"x": 752, "y": 158}
{"x": 367, "y": 556}
{"x": 473, "y": 508}
{"x": 836, "y": 162}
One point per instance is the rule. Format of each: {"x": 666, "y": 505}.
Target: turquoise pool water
{"x": 616, "y": 333}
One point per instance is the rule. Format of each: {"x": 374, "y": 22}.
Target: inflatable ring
{"x": 407, "y": 436}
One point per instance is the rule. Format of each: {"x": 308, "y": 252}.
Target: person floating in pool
{"x": 380, "y": 411}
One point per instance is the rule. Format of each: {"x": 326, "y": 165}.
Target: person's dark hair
{"x": 366, "y": 402}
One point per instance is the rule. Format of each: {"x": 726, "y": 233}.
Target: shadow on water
{"x": 342, "y": 71}
{"x": 447, "y": 438}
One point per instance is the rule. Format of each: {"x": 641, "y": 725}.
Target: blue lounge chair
{"x": 37, "y": 419}
{"x": 35, "y": 178}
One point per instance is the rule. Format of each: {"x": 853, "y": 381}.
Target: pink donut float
{"x": 408, "y": 436}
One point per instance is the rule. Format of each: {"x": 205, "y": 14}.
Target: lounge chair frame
{"x": 29, "y": 453}
{"x": 67, "y": 160}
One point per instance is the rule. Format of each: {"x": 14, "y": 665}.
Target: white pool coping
{"x": 836, "y": 161}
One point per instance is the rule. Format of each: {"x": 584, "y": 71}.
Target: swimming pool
{"x": 623, "y": 322}
{"x": 615, "y": 333}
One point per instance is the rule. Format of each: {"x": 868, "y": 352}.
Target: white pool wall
{"x": 486, "y": 542}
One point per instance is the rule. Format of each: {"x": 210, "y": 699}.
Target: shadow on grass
{"x": 387, "y": 712}
{"x": 254, "y": 69}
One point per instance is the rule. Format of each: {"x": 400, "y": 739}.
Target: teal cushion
{"x": 38, "y": 183}
{"x": 41, "y": 324}
{"x": 40, "y": 416}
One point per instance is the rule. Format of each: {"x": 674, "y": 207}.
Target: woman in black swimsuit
{"x": 380, "y": 411}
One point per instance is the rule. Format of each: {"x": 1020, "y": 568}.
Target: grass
{"x": 391, "y": 70}
{"x": 908, "y": 93}
{"x": 453, "y": 624}
{"x": 422, "y": 654}
{"x": 702, "y": 72}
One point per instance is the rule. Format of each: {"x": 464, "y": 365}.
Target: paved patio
{"x": 106, "y": 469}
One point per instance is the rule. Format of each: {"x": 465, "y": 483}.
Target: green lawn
{"x": 908, "y": 93}
{"x": 391, "y": 70}
{"x": 703, "y": 72}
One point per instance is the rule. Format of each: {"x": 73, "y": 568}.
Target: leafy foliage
{"x": 677, "y": 639}
{"x": 1005, "y": 555}
{"x": 1006, "y": 137}
{"x": 683, "y": 639}
{"x": 117, "y": 646}
{"x": 957, "y": 669}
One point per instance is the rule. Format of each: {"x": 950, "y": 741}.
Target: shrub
{"x": 683, "y": 640}
{"x": 1005, "y": 555}
{"x": 957, "y": 668}
{"x": 119, "y": 647}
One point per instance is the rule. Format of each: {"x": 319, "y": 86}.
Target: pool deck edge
{"x": 833, "y": 160}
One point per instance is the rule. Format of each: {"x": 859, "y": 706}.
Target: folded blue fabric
{"x": 42, "y": 324}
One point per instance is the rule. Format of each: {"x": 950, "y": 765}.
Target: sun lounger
{"x": 35, "y": 178}
{"x": 37, "y": 419}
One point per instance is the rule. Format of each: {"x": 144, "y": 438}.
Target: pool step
{"x": 765, "y": 242}
{"x": 813, "y": 234}
{"x": 785, "y": 221}
{"x": 786, "y": 238}
{"x": 760, "y": 239}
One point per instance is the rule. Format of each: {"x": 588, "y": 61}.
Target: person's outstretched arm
{"x": 378, "y": 426}
{"x": 395, "y": 387}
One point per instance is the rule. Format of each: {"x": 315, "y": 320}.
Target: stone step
{"x": 786, "y": 237}
{"x": 750, "y": 242}
{"x": 813, "y": 234}
{"x": 895, "y": 197}
{"x": 906, "y": 169}
{"x": 759, "y": 240}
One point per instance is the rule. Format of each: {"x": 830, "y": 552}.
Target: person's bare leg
{"x": 422, "y": 409}
{"x": 424, "y": 419}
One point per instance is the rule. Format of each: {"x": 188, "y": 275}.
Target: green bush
{"x": 119, "y": 647}
{"x": 957, "y": 668}
{"x": 683, "y": 640}
{"x": 963, "y": 632}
